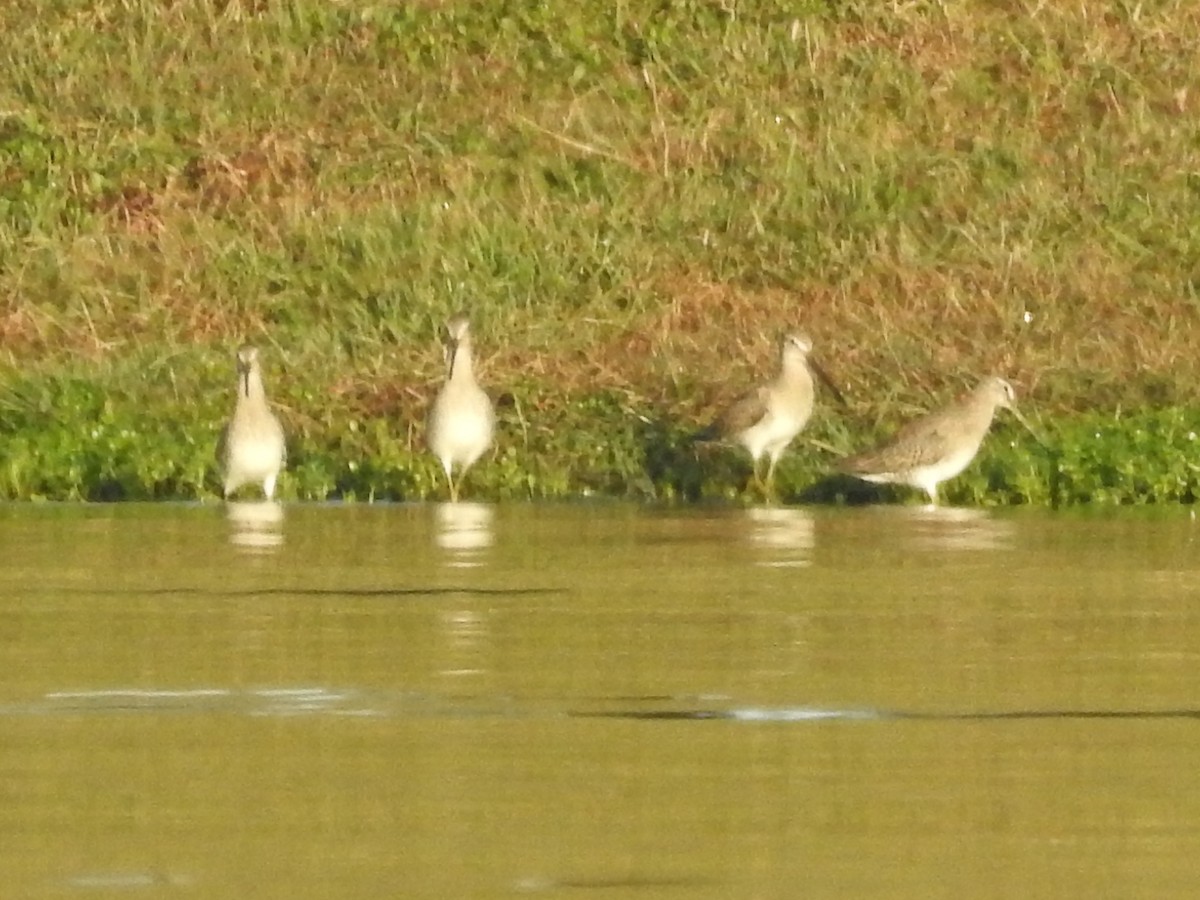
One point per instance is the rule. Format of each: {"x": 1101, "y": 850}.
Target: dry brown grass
{"x": 932, "y": 192}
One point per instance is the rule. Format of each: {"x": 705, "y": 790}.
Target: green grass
{"x": 631, "y": 200}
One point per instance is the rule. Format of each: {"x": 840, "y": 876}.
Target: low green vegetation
{"x": 632, "y": 200}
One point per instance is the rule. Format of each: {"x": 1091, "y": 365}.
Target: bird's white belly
{"x": 464, "y": 436}
{"x": 255, "y": 460}
{"x": 772, "y": 434}
{"x": 944, "y": 469}
{"x": 463, "y": 427}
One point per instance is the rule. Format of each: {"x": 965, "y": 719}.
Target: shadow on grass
{"x": 685, "y": 468}
{"x": 844, "y": 490}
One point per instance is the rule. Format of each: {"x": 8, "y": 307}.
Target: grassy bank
{"x": 632, "y": 200}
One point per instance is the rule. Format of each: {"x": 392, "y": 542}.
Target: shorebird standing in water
{"x": 251, "y": 448}
{"x": 766, "y": 419}
{"x": 462, "y": 421}
{"x": 937, "y": 446}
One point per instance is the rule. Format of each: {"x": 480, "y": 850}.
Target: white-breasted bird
{"x": 462, "y": 421}
{"x": 766, "y": 419}
{"x": 251, "y": 449}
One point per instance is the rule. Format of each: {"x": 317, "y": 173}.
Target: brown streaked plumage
{"x": 937, "y": 446}
{"x": 766, "y": 419}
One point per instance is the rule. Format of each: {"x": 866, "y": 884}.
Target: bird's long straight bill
{"x": 826, "y": 380}
{"x": 1020, "y": 418}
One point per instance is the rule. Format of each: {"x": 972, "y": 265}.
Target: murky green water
{"x": 597, "y": 701}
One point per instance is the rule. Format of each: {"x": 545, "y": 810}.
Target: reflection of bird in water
{"x": 256, "y": 526}
{"x": 937, "y": 446}
{"x": 464, "y": 530}
{"x": 462, "y": 421}
{"x": 947, "y": 528}
{"x": 766, "y": 419}
{"x": 787, "y": 535}
{"x": 251, "y": 448}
